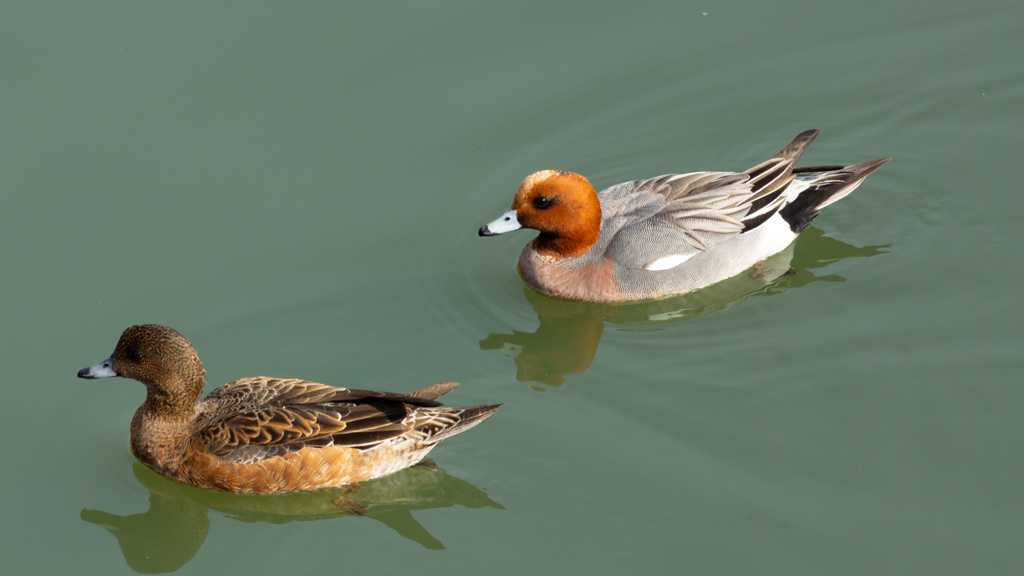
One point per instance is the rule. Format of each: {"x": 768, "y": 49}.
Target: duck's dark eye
{"x": 138, "y": 355}
{"x": 543, "y": 202}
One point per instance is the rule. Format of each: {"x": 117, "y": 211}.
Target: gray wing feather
{"x": 674, "y": 214}
{"x": 252, "y": 419}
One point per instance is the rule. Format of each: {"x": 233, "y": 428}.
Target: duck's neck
{"x": 572, "y": 243}
{"x": 162, "y": 426}
{"x": 159, "y": 404}
{"x": 175, "y": 400}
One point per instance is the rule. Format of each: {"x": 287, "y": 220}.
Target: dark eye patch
{"x": 543, "y": 202}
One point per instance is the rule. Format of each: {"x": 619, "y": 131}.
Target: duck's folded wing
{"x": 660, "y": 223}
{"x": 262, "y": 390}
{"x": 253, "y": 433}
{"x": 256, "y": 418}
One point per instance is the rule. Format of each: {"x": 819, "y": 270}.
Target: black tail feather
{"x": 835, "y": 183}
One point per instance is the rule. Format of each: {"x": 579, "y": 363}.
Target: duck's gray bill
{"x": 507, "y": 223}
{"x": 104, "y": 369}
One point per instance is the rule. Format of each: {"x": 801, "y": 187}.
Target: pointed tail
{"x": 827, "y": 184}
{"x": 468, "y": 417}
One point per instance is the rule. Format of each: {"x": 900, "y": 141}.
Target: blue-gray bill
{"x": 104, "y": 369}
{"x": 506, "y": 223}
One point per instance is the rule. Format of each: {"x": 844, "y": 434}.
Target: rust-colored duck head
{"x": 163, "y": 360}
{"x": 561, "y": 205}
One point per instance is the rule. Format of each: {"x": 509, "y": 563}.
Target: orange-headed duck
{"x": 268, "y": 434}
{"x": 671, "y": 234}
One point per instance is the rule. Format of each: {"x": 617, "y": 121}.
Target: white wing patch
{"x": 667, "y": 262}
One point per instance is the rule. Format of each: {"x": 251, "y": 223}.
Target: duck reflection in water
{"x": 570, "y": 332}
{"x": 170, "y": 533}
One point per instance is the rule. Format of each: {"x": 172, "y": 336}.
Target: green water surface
{"x": 297, "y": 189}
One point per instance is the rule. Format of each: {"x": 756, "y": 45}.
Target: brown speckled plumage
{"x": 269, "y": 434}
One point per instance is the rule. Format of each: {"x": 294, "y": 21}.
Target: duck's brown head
{"x": 562, "y": 205}
{"x": 159, "y": 357}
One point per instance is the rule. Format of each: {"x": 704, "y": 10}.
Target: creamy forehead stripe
{"x": 666, "y": 262}
{"x": 537, "y": 177}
